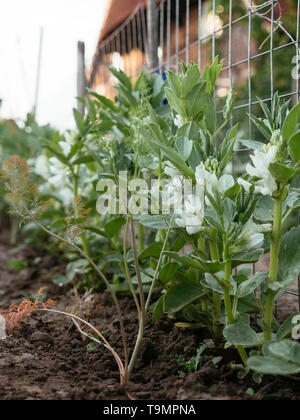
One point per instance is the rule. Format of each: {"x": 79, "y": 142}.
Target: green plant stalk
{"x": 158, "y": 266}
{"x": 227, "y": 301}
{"x": 126, "y": 270}
{"x": 141, "y": 237}
{"x": 142, "y": 316}
{"x": 214, "y": 254}
{"x": 274, "y": 256}
{"x": 85, "y": 244}
{"x": 227, "y": 298}
{"x": 143, "y": 306}
{"x": 214, "y": 135}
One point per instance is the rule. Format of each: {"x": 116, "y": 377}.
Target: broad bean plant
{"x": 150, "y": 206}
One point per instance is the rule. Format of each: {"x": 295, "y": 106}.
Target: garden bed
{"x": 48, "y": 359}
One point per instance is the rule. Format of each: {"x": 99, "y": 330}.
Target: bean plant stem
{"x": 214, "y": 135}
{"x": 158, "y": 266}
{"x": 142, "y": 302}
{"x": 126, "y": 270}
{"x": 214, "y": 253}
{"x": 274, "y": 256}
{"x": 227, "y": 301}
{"x": 84, "y": 241}
{"x": 141, "y": 237}
{"x": 287, "y": 215}
{"x": 227, "y": 298}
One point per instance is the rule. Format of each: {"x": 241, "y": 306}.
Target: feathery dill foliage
{"x": 23, "y": 311}
{"x": 23, "y": 195}
{"x": 76, "y": 223}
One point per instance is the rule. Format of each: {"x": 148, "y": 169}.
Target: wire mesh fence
{"x": 258, "y": 41}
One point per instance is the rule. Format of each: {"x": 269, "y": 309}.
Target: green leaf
{"x": 262, "y": 127}
{"x": 241, "y": 334}
{"x": 122, "y": 77}
{"x": 158, "y": 309}
{"x": 252, "y": 144}
{"x": 184, "y": 259}
{"x": 227, "y": 146}
{"x": 210, "y": 282}
{"x": 189, "y": 130}
{"x": 105, "y": 101}
{"x": 83, "y": 159}
{"x": 16, "y": 265}
{"x": 152, "y": 250}
{"x": 79, "y": 119}
{"x": 174, "y": 82}
{"x": 56, "y": 151}
{"x": 184, "y": 147}
{"x": 210, "y": 114}
{"x": 144, "y": 277}
{"x": 227, "y": 111}
{"x": 247, "y": 257}
{"x": 289, "y": 259}
{"x": 196, "y": 100}
{"x": 281, "y": 173}
{"x": 211, "y": 74}
{"x": 264, "y": 209}
{"x": 249, "y": 286}
{"x": 76, "y": 267}
{"x": 60, "y": 280}
{"x": 272, "y": 366}
{"x": 212, "y": 219}
{"x": 175, "y": 102}
{"x": 126, "y": 96}
{"x": 175, "y": 158}
{"x": 286, "y": 327}
{"x": 180, "y": 296}
{"x": 154, "y": 221}
{"x": 291, "y": 123}
{"x": 168, "y": 272}
{"x": 294, "y": 147}
{"x": 190, "y": 79}
{"x": 266, "y": 111}
{"x": 286, "y": 350}
{"x": 113, "y": 227}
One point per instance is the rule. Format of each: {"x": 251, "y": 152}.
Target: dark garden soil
{"x": 47, "y": 358}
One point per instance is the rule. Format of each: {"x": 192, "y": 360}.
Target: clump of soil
{"x": 47, "y": 358}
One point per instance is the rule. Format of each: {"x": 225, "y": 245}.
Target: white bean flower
{"x": 251, "y": 237}
{"x": 211, "y": 181}
{"x": 193, "y": 214}
{"x": 243, "y": 183}
{"x": 42, "y": 167}
{"x": 178, "y": 121}
{"x": 261, "y": 161}
{"x": 58, "y": 171}
{"x": 171, "y": 170}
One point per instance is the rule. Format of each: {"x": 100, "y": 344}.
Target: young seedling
{"x": 192, "y": 365}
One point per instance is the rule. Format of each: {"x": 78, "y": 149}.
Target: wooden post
{"x": 81, "y": 77}
{"x": 152, "y": 20}
{"x": 38, "y": 74}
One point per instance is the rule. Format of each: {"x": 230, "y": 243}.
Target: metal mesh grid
{"x": 198, "y": 30}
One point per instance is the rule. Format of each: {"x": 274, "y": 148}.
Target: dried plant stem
{"x": 123, "y": 376}
{"x": 99, "y": 272}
